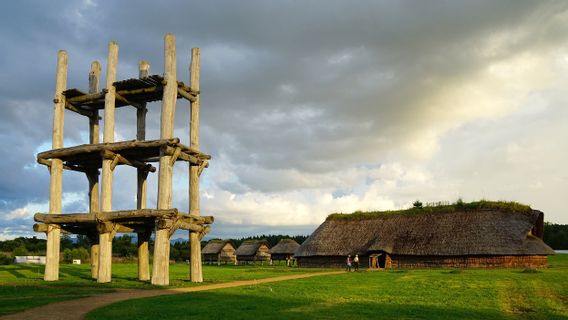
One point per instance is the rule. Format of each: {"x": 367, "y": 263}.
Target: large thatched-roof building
{"x": 217, "y": 251}
{"x": 253, "y": 250}
{"x": 482, "y": 234}
{"x": 284, "y": 250}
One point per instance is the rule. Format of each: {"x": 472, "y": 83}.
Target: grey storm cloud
{"x": 293, "y": 93}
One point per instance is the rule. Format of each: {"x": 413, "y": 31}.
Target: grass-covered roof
{"x": 433, "y": 208}
{"x": 476, "y": 228}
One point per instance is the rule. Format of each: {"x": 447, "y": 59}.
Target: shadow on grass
{"x": 24, "y": 271}
{"x": 205, "y": 305}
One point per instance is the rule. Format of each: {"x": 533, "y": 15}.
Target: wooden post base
{"x": 105, "y": 258}
{"x": 143, "y": 256}
{"x": 161, "y": 264}
{"x": 52, "y": 254}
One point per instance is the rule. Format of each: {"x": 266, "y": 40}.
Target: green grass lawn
{"x": 22, "y": 286}
{"x": 396, "y": 294}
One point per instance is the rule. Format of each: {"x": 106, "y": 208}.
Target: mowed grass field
{"x": 396, "y": 294}
{"x": 22, "y": 286}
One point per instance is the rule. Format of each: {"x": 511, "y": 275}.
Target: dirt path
{"x": 78, "y": 308}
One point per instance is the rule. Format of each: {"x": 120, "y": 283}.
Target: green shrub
{"x": 5, "y": 260}
{"x": 21, "y": 251}
{"x": 78, "y": 253}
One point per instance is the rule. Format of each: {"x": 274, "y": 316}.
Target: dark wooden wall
{"x": 431, "y": 262}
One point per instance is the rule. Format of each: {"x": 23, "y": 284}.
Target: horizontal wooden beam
{"x": 189, "y": 226}
{"x": 65, "y": 218}
{"x": 42, "y": 227}
{"x": 87, "y": 98}
{"x": 95, "y": 217}
{"x": 198, "y": 219}
{"x": 114, "y": 146}
{"x": 141, "y": 213}
{"x": 67, "y": 167}
{"x": 122, "y": 99}
{"x": 86, "y": 113}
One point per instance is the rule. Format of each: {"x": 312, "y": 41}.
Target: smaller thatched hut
{"x": 284, "y": 250}
{"x": 252, "y": 251}
{"x": 217, "y": 251}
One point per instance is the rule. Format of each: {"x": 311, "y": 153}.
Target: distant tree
{"x": 124, "y": 246}
{"x": 181, "y": 251}
{"x": 66, "y": 242}
{"x": 272, "y": 239}
{"x": 556, "y": 235}
{"x": 69, "y": 255}
{"x": 417, "y": 204}
{"x": 82, "y": 242}
{"x": 5, "y": 259}
{"x": 20, "y": 251}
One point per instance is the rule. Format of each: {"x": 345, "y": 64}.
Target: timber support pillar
{"x": 144, "y": 255}
{"x": 56, "y": 171}
{"x": 94, "y": 243}
{"x": 161, "y": 266}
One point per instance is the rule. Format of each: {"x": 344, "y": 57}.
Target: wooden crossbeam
{"x": 202, "y": 166}
{"x": 186, "y": 94}
{"x": 87, "y": 113}
{"x": 117, "y": 158}
{"x": 65, "y": 166}
{"x": 122, "y": 99}
{"x": 204, "y": 232}
{"x": 175, "y": 156}
{"x": 182, "y": 155}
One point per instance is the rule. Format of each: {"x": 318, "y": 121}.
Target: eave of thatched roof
{"x": 482, "y": 232}
{"x": 285, "y": 246}
{"x": 250, "y": 247}
{"x": 215, "y": 246}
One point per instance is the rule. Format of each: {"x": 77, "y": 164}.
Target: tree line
{"x": 123, "y": 246}
{"x": 556, "y": 235}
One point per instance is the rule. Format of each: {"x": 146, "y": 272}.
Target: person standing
{"x": 348, "y": 263}
{"x": 356, "y": 262}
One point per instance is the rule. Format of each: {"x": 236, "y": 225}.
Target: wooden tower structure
{"x": 101, "y": 223}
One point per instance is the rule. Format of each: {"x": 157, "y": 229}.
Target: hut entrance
{"x": 382, "y": 260}
{"x": 377, "y": 260}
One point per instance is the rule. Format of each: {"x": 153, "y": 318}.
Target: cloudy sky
{"x": 308, "y": 107}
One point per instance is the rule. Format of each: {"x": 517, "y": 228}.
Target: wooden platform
{"x": 134, "y": 92}
{"x": 134, "y": 153}
{"x": 123, "y": 221}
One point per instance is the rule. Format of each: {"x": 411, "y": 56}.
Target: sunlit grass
{"x": 397, "y": 294}
{"x": 22, "y": 286}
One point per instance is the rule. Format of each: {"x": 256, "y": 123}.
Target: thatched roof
{"x": 459, "y": 233}
{"x": 249, "y": 247}
{"x": 285, "y": 246}
{"x": 215, "y": 246}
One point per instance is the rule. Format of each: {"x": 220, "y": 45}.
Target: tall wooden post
{"x": 160, "y": 270}
{"x": 196, "y": 273}
{"x": 56, "y": 172}
{"x": 93, "y": 175}
{"x": 105, "y": 236}
{"x": 143, "y": 237}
